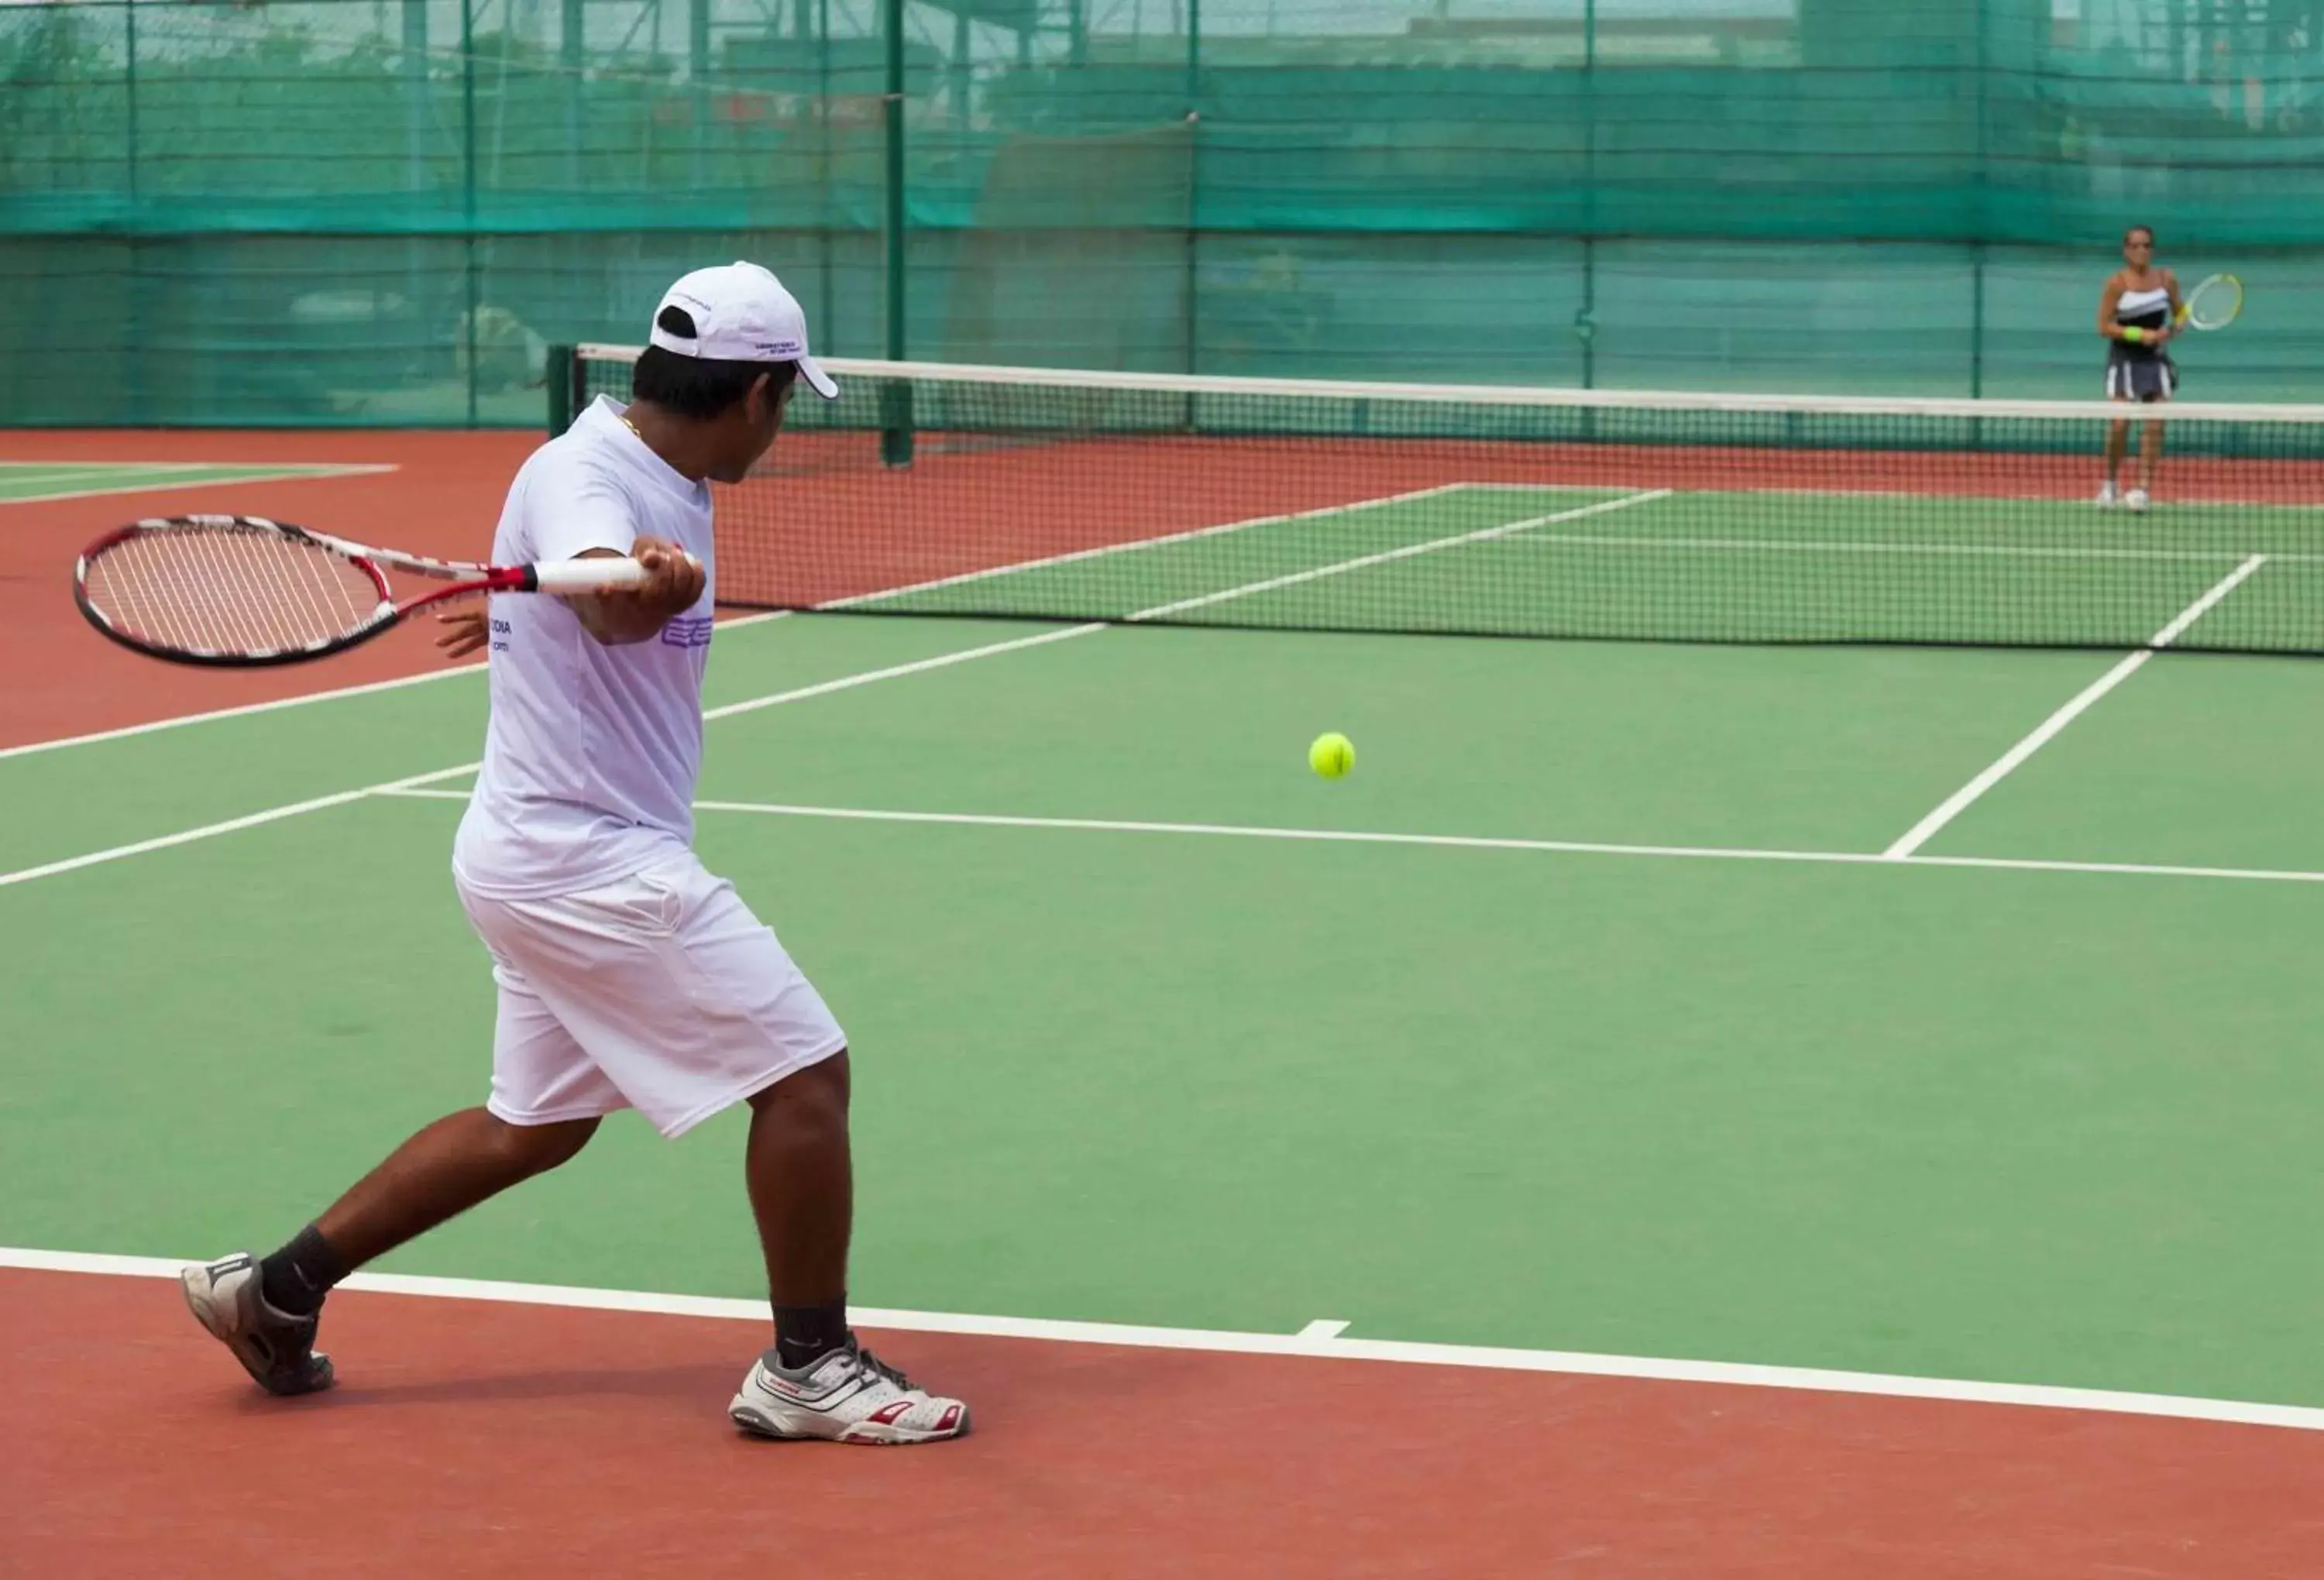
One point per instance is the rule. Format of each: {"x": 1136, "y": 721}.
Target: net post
{"x": 573, "y": 50}
{"x": 1191, "y": 318}
{"x": 129, "y": 86}
{"x": 473, "y": 284}
{"x": 1977, "y": 319}
{"x": 895, "y": 394}
{"x": 895, "y": 214}
{"x": 895, "y": 422}
{"x": 564, "y": 382}
{"x": 1585, "y": 322}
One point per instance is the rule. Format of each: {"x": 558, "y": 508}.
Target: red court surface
{"x": 472, "y": 1437}
{"x": 443, "y": 499}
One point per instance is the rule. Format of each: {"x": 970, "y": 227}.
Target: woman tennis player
{"x": 2138, "y": 313}
{"x": 630, "y": 977}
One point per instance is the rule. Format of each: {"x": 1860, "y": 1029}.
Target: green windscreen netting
{"x": 382, "y": 210}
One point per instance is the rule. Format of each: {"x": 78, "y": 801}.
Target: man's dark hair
{"x": 698, "y": 387}
{"x": 2147, "y": 230}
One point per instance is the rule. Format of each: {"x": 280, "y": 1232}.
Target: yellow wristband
{"x": 2134, "y": 335}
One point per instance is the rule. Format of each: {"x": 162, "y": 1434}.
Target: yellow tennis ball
{"x": 1332, "y": 754}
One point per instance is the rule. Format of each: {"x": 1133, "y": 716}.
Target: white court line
{"x": 843, "y": 683}
{"x": 352, "y": 691}
{"x": 917, "y": 666}
{"x": 1142, "y": 543}
{"x": 228, "y": 826}
{"x": 1971, "y": 550}
{"x": 53, "y": 472}
{"x": 1324, "y": 1327}
{"x": 335, "y": 694}
{"x": 320, "y": 803}
{"x": 1069, "y": 633}
{"x": 166, "y": 481}
{"x": 1960, "y": 800}
{"x": 1305, "y": 1345}
{"x": 180, "y": 720}
{"x": 283, "y": 467}
{"x": 1482, "y": 535}
{"x": 16, "y": 473}
{"x": 2303, "y": 508}
{"x": 1457, "y": 841}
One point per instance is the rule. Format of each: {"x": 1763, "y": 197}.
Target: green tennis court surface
{"x": 1736, "y": 1090}
{"x": 1769, "y": 564}
{"x": 29, "y": 481}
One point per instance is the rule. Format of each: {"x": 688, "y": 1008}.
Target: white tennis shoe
{"x": 2106, "y": 500}
{"x": 848, "y": 1396}
{"x": 2136, "y": 499}
{"x": 276, "y": 1348}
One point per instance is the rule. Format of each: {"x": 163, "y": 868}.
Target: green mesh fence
{"x": 382, "y": 211}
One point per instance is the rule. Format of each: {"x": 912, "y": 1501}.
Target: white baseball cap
{"x": 742, "y": 313}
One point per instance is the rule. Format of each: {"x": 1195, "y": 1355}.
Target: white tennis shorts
{"x": 660, "y": 992}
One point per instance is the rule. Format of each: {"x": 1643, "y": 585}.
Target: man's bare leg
{"x": 802, "y": 1183}
{"x": 264, "y": 1312}
{"x": 818, "y": 1381}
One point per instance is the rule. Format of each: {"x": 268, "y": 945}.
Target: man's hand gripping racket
{"x": 244, "y": 589}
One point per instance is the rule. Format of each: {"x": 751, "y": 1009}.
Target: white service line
{"x": 1464, "y": 841}
{"x": 228, "y": 826}
{"x": 918, "y": 667}
{"x": 391, "y": 786}
{"x": 1903, "y": 849}
{"x": 1838, "y": 546}
{"x": 1306, "y": 1346}
{"x": 843, "y": 683}
{"x": 1960, "y": 800}
{"x": 1482, "y": 535}
{"x": 180, "y": 720}
{"x": 1761, "y": 490}
{"x": 333, "y": 694}
{"x": 837, "y": 604}
{"x": 1324, "y": 1327}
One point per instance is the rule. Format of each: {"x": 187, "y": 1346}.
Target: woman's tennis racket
{"x": 243, "y": 590}
{"x": 2214, "y": 304}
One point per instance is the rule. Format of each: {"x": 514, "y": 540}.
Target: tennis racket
{"x": 243, "y": 590}
{"x": 2215, "y": 303}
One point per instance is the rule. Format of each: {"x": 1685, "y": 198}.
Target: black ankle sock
{"x": 295, "y": 1278}
{"x": 809, "y": 1332}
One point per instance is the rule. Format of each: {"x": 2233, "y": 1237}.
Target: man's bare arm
{"x": 638, "y": 614}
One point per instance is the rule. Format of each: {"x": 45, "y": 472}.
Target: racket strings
{"x": 228, "y": 589}
{"x": 2216, "y": 302}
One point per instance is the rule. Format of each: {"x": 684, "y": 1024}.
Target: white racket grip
{"x": 589, "y": 575}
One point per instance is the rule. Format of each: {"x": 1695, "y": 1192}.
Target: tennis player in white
{"x": 629, "y": 976}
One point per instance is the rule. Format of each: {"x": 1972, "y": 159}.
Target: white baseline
{"x": 1311, "y": 1342}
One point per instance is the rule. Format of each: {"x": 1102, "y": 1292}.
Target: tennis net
{"x": 1038, "y": 494}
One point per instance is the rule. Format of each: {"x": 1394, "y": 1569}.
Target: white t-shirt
{"x": 592, "y": 751}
